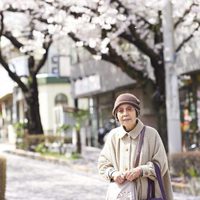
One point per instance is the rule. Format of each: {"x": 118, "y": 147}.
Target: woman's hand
{"x": 118, "y": 177}
{"x": 133, "y": 174}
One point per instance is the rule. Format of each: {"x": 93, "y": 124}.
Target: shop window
{"x": 188, "y": 119}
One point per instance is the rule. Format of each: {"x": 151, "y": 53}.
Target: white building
{"x": 54, "y": 92}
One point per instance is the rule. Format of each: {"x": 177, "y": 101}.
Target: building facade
{"x": 188, "y": 68}
{"x": 54, "y": 91}
{"x": 101, "y": 82}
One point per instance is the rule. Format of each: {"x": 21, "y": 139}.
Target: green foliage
{"x": 2, "y": 177}
{"x": 80, "y": 116}
{"x": 192, "y": 172}
{"x": 19, "y": 129}
{"x": 62, "y": 128}
{"x": 41, "y": 148}
{"x": 20, "y": 133}
{"x": 75, "y": 156}
{"x": 77, "y": 126}
{"x": 186, "y": 164}
{"x": 42, "y": 143}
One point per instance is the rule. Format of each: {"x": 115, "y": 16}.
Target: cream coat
{"x": 118, "y": 154}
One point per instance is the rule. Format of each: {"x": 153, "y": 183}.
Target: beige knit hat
{"x": 129, "y": 99}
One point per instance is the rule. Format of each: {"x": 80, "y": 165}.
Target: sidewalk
{"x": 87, "y": 163}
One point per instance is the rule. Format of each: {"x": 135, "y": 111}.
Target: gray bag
{"x": 125, "y": 191}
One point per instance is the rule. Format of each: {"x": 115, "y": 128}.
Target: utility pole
{"x": 171, "y": 81}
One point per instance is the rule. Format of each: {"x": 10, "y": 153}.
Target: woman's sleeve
{"x": 105, "y": 165}
{"x": 158, "y": 155}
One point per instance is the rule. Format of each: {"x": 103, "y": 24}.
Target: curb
{"x": 181, "y": 188}
{"x": 186, "y": 188}
{"x": 73, "y": 164}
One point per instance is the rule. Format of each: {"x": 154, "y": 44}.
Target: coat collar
{"x": 133, "y": 133}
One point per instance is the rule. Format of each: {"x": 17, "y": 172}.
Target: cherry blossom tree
{"x": 120, "y": 31}
{"x": 25, "y": 32}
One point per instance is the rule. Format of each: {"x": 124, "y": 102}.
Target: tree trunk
{"x": 78, "y": 142}
{"x": 32, "y": 112}
{"x": 162, "y": 125}
{"x": 160, "y": 99}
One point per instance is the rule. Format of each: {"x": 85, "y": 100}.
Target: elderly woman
{"x": 117, "y": 158}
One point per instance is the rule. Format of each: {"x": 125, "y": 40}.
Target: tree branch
{"x": 13, "y": 75}
{"x": 5, "y": 64}
{"x": 2, "y": 24}
{"x": 187, "y": 11}
{"x": 150, "y": 26}
{"x": 187, "y": 38}
{"x": 76, "y": 39}
{"x": 46, "y": 46}
{"x": 116, "y": 59}
{"x": 120, "y": 62}
{"x": 135, "y": 39}
{"x": 17, "y": 10}
{"x": 13, "y": 39}
{"x": 121, "y": 5}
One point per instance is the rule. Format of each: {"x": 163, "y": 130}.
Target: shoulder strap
{"x": 157, "y": 169}
{"x": 151, "y": 185}
{"x": 151, "y": 189}
{"x": 160, "y": 182}
{"x": 139, "y": 147}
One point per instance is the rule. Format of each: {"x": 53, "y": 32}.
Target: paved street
{"x": 30, "y": 179}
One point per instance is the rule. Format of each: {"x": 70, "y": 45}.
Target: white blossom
{"x": 92, "y": 43}
{"x": 95, "y": 16}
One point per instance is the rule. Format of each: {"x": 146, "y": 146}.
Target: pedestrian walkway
{"x": 87, "y": 163}
{"x": 31, "y": 179}
{"x": 6, "y": 146}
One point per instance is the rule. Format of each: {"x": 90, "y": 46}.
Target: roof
{"x": 6, "y": 97}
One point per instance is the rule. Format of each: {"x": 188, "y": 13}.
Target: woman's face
{"x": 126, "y": 115}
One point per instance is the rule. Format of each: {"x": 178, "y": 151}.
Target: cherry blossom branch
{"x": 114, "y": 58}
{"x": 187, "y": 11}
{"x": 188, "y": 38}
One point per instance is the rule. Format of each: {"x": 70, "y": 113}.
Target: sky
{"x": 6, "y": 84}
